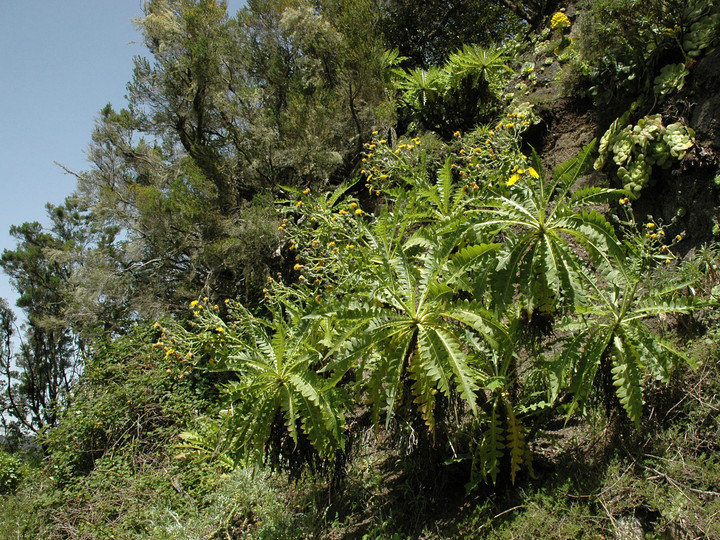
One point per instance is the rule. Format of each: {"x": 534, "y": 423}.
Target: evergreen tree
{"x": 50, "y": 354}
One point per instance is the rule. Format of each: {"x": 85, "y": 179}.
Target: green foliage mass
{"x": 627, "y": 42}
{"x": 312, "y": 250}
{"x": 10, "y": 472}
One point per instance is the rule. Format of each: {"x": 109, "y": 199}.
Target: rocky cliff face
{"x": 704, "y": 93}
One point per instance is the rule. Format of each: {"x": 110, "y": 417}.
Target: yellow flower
{"x": 306, "y": 191}
{"x": 220, "y": 330}
{"x": 206, "y": 299}
{"x": 678, "y": 237}
{"x": 382, "y": 141}
{"x": 194, "y": 303}
{"x": 533, "y": 173}
{"x": 358, "y": 212}
{"x": 298, "y": 204}
{"x": 559, "y": 20}
{"x": 301, "y": 278}
{"x": 353, "y": 204}
{"x": 350, "y": 246}
{"x": 651, "y": 225}
{"x": 227, "y": 300}
{"x": 513, "y": 179}
{"x": 456, "y": 134}
{"x": 297, "y": 266}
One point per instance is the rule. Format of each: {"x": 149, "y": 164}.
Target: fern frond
{"x": 655, "y": 305}
{"x": 466, "y": 260}
{"x": 489, "y": 452}
{"x": 659, "y": 355}
{"x": 321, "y": 418}
{"x": 515, "y": 441}
{"x": 595, "y": 233}
{"x": 482, "y": 320}
{"x": 588, "y": 196}
{"x": 451, "y": 359}
{"x": 627, "y": 379}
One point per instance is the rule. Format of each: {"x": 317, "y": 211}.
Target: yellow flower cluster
{"x": 559, "y": 21}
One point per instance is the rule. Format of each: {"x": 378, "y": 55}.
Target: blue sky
{"x": 61, "y": 61}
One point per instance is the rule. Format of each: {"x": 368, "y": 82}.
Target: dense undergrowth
{"x": 457, "y": 331}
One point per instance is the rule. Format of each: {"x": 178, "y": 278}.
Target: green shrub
{"x": 10, "y": 472}
{"x": 627, "y": 41}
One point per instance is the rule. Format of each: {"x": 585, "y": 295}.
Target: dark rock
{"x": 705, "y": 119}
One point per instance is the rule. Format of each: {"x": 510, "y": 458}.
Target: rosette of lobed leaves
{"x": 679, "y": 139}
{"x": 538, "y": 267}
{"x": 278, "y": 403}
{"x": 611, "y": 338}
{"x": 441, "y": 202}
{"x": 459, "y": 93}
{"x": 671, "y": 78}
{"x": 406, "y": 337}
